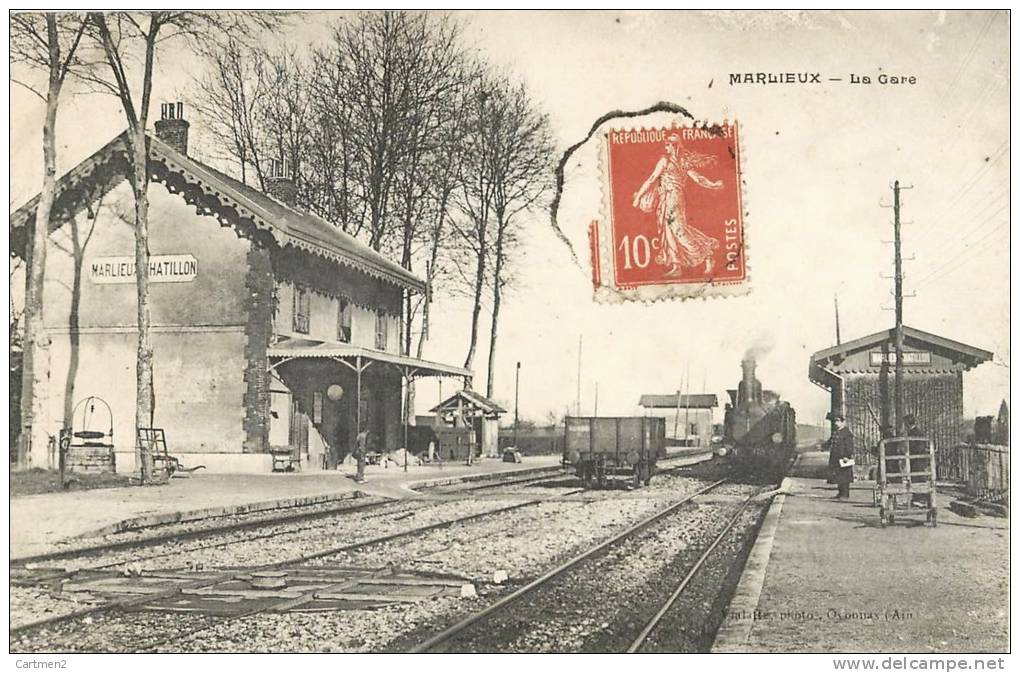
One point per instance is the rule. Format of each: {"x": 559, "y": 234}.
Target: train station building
{"x": 689, "y": 418}
{"x": 273, "y": 330}
{"x": 859, "y": 377}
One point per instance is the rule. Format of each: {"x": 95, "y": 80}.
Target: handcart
{"x": 906, "y": 479}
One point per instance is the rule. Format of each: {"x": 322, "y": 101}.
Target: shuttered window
{"x": 380, "y": 331}
{"x": 302, "y": 309}
{"x": 343, "y": 321}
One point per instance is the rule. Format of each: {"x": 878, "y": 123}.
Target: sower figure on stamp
{"x": 842, "y": 446}
{"x": 680, "y": 244}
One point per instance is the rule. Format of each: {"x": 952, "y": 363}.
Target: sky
{"x": 818, "y": 163}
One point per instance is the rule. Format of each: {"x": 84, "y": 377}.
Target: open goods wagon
{"x": 599, "y": 448}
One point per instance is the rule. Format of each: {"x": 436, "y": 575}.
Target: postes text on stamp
{"x": 672, "y": 224}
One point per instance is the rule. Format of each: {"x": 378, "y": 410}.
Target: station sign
{"x": 162, "y": 269}
{"x": 909, "y": 358}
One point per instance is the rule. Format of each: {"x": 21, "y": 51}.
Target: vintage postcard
{"x": 512, "y": 332}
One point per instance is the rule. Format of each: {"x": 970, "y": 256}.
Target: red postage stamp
{"x": 673, "y": 223}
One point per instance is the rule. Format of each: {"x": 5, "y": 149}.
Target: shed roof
{"x": 697, "y": 401}
{"x": 472, "y": 400}
{"x": 971, "y": 355}
{"x": 218, "y": 194}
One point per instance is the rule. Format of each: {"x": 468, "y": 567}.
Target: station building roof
{"x": 674, "y": 401}
{"x": 213, "y": 193}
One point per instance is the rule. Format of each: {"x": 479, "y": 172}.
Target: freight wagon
{"x": 599, "y": 448}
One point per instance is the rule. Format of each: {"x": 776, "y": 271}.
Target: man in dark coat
{"x": 841, "y": 445}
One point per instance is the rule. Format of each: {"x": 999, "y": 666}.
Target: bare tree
{"x": 474, "y": 201}
{"x": 226, "y": 99}
{"x": 48, "y": 42}
{"x": 78, "y": 239}
{"x": 126, "y": 38}
{"x": 285, "y": 115}
{"x": 521, "y": 170}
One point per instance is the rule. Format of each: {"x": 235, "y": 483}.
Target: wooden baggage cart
{"x": 906, "y": 479}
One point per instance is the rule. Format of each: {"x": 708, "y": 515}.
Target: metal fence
{"x": 983, "y": 469}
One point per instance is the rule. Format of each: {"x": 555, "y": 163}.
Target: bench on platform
{"x": 284, "y": 460}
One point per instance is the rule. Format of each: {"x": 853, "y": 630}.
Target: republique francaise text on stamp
{"x": 672, "y": 224}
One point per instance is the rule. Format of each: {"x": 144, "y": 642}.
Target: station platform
{"x": 824, "y": 576}
{"x": 39, "y": 523}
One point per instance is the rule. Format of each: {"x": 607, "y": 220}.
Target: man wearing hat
{"x": 841, "y": 447}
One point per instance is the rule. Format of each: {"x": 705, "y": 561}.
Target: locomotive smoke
{"x": 761, "y": 347}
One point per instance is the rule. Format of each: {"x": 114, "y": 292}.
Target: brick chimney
{"x": 172, "y": 128}
{"x": 280, "y": 182}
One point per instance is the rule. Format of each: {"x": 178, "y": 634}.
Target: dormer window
{"x": 302, "y": 309}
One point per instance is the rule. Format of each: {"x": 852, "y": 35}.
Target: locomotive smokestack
{"x": 748, "y": 366}
{"x": 748, "y": 387}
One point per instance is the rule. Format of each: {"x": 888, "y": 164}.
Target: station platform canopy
{"x": 359, "y": 357}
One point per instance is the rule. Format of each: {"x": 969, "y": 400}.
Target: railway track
{"x": 657, "y": 619}
{"x": 133, "y": 615}
{"x": 482, "y": 630}
{"x": 303, "y": 514}
{"x": 125, "y": 608}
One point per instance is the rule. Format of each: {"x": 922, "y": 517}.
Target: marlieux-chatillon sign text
{"x": 162, "y": 269}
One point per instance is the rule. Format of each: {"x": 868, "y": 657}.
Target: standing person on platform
{"x": 842, "y": 447}
{"x": 833, "y": 458}
{"x": 360, "y": 449}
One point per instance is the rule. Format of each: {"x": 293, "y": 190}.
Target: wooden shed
{"x": 859, "y": 376}
{"x": 466, "y": 408}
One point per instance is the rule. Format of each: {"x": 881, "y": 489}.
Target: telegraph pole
{"x": 898, "y": 393}
{"x": 517, "y": 399}
{"x": 835, "y": 302}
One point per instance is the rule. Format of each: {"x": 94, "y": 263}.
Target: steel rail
{"x": 654, "y": 621}
{"x": 452, "y": 631}
{"x": 148, "y": 647}
{"x": 143, "y": 543}
{"x": 133, "y": 601}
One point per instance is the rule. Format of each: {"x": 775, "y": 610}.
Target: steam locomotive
{"x": 760, "y": 430}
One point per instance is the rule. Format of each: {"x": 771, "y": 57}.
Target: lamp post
{"x": 517, "y": 399}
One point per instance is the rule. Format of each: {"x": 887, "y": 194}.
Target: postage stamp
{"x": 672, "y": 224}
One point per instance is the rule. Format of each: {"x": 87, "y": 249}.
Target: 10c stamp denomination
{"x": 672, "y": 225}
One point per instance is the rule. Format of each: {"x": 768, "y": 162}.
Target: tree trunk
{"x": 496, "y": 296}
{"x": 35, "y": 363}
{"x": 476, "y": 312}
{"x": 144, "y": 392}
{"x": 73, "y": 337}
